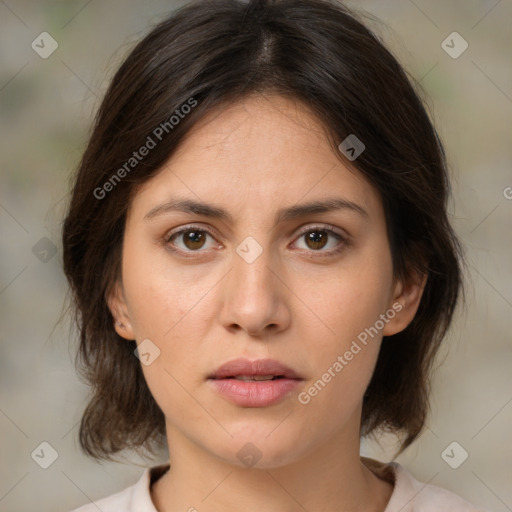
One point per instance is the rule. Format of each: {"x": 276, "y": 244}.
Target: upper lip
{"x": 239, "y": 367}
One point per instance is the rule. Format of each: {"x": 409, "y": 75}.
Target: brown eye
{"x": 316, "y": 239}
{"x": 193, "y": 239}
{"x": 190, "y": 239}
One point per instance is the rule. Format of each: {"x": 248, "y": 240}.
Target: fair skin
{"x": 297, "y": 302}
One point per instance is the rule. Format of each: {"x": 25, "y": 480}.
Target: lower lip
{"x": 254, "y": 393}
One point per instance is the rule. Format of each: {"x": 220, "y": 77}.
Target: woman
{"x": 261, "y": 263}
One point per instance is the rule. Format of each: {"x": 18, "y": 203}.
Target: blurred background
{"x": 50, "y": 86}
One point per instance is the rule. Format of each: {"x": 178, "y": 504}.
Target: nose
{"x": 255, "y": 295}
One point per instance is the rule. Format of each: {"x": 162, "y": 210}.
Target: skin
{"x": 291, "y": 304}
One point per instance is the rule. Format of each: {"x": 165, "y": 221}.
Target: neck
{"x": 329, "y": 477}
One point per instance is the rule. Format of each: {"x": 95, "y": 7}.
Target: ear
{"x": 405, "y": 301}
{"x": 116, "y": 302}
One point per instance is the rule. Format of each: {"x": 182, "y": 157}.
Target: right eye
{"x": 192, "y": 238}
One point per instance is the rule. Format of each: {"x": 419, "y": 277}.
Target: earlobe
{"x": 116, "y": 302}
{"x": 405, "y": 302}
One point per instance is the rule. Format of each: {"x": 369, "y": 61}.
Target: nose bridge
{"x": 252, "y": 271}
{"x": 253, "y": 298}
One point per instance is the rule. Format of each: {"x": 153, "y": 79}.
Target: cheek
{"x": 342, "y": 362}
{"x": 345, "y": 302}
{"x": 172, "y": 309}
{"x": 163, "y": 297}
{"x": 345, "y": 334}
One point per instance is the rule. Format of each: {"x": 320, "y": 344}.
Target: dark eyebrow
{"x": 326, "y": 205}
{"x": 292, "y": 212}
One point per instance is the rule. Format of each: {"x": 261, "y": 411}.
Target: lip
{"x": 254, "y": 393}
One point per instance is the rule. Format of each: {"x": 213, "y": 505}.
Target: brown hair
{"x": 209, "y": 54}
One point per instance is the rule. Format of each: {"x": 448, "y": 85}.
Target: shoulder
{"x": 136, "y": 498}
{"x": 410, "y": 495}
{"x": 427, "y": 497}
{"x": 119, "y": 502}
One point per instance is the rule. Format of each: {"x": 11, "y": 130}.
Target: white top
{"x": 408, "y": 495}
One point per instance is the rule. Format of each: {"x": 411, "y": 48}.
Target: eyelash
{"x": 319, "y": 227}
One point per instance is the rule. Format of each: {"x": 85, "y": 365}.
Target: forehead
{"x": 255, "y": 156}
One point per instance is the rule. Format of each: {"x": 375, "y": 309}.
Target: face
{"x": 256, "y": 276}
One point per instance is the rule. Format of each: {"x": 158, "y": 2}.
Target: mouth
{"x": 255, "y": 378}
{"x": 259, "y": 370}
{"x": 257, "y": 383}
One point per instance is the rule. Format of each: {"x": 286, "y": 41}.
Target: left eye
{"x": 317, "y": 238}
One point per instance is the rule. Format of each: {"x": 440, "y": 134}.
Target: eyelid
{"x": 303, "y": 229}
{"x": 325, "y": 227}
{"x": 189, "y": 227}
{"x": 344, "y": 240}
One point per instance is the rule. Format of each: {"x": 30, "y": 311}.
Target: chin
{"x": 259, "y": 450}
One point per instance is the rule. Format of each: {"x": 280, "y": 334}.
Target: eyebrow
{"x": 284, "y": 214}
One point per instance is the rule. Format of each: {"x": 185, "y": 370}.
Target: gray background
{"x": 46, "y": 107}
